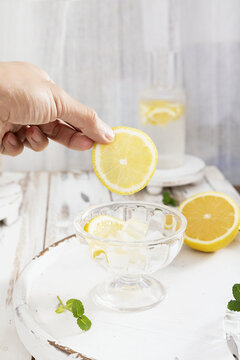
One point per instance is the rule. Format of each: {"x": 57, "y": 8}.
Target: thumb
{"x": 81, "y": 117}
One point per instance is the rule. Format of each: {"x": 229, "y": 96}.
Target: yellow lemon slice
{"x": 105, "y": 227}
{"x": 127, "y": 164}
{"x": 213, "y": 220}
{"x": 160, "y": 112}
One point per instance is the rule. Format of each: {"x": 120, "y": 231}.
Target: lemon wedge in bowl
{"x": 213, "y": 220}
{"x": 126, "y": 165}
{"x": 102, "y": 226}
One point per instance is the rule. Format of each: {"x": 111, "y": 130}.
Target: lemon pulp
{"x": 126, "y": 165}
{"x": 213, "y": 220}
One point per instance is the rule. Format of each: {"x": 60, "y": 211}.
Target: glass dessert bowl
{"x": 137, "y": 239}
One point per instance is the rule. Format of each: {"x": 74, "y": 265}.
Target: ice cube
{"x": 159, "y": 255}
{"x": 118, "y": 258}
{"x": 133, "y": 230}
{"x": 137, "y": 261}
{"x": 159, "y": 216}
{"x": 154, "y": 235}
{"x": 154, "y": 231}
{"x": 125, "y": 236}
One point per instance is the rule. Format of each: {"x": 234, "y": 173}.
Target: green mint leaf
{"x": 234, "y": 305}
{"x": 166, "y": 197}
{"x": 77, "y": 308}
{"x": 69, "y": 303}
{"x": 60, "y": 309}
{"x": 236, "y": 291}
{"x": 173, "y": 202}
{"x": 168, "y": 200}
{"x": 84, "y": 323}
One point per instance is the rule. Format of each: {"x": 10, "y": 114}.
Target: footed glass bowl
{"x": 160, "y": 233}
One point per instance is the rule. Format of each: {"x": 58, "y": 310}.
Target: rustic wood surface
{"x": 51, "y": 200}
{"x": 237, "y": 187}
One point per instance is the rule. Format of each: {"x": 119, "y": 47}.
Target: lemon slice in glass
{"x": 105, "y": 227}
{"x": 160, "y": 112}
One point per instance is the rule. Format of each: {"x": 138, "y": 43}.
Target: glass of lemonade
{"x": 231, "y": 325}
{"x": 162, "y": 112}
{"x": 150, "y": 238}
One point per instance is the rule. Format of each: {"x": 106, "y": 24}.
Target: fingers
{"x": 31, "y": 137}
{"x": 81, "y": 117}
{"x": 67, "y": 136}
{"x": 11, "y": 145}
{"x": 35, "y": 139}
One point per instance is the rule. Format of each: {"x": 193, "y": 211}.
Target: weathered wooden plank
{"x": 142, "y": 195}
{"x": 213, "y": 180}
{"x": 18, "y": 244}
{"x": 179, "y": 192}
{"x": 69, "y": 194}
{"x": 218, "y": 182}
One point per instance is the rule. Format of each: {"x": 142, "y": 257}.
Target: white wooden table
{"x": 51, "y": 201}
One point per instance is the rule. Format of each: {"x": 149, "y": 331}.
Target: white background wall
{"x": 106, "y": 52}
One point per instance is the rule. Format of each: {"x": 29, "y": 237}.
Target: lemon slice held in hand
{"x": 126, "y": 165}
{"x": 213, "y": 220}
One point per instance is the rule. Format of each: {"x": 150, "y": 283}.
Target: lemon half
{"x": 213, "y": 220}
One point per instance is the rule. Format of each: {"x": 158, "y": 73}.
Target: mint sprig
{"x": 84, "y": 323}
{"x": 236, "y": 291}
{"x": 76, "y": 307}
{"x": 234, "y": 305}
{"x": 167, "y": 199}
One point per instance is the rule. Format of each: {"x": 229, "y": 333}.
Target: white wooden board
{"x": 49, "y": 207}
{"x": 18, "y": 244}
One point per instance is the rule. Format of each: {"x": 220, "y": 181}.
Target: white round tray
{"x": 178, "y": 328}
{"x": 191, "y": 171}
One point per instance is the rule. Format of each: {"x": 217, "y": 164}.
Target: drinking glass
{"x": 231, "y": 325}
{"x": 162, "y": 113}
{"x": 131, "y": 261}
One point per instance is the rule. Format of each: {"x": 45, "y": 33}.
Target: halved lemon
{"x": 213, "y": 220}
{"x": 127, "y": 164}
{"x": 160, "y": 112}
{"x": 105, "y": 227}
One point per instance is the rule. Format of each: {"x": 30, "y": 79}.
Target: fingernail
{"x": 36, "y": 136}
{"x": 12, "y": 140}
{"x": 109, "y": 134}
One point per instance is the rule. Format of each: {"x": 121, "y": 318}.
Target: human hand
{"x": 33, "y": 109}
